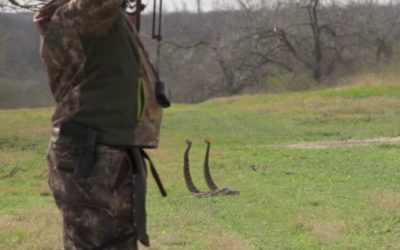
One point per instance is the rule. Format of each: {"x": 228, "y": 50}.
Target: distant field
{"x": 329, "y": 198}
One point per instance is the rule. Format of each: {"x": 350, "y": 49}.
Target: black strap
{"x": 139, "y": 196}
{"x": 155, "y": 174}
{"x": 139, "y": 199}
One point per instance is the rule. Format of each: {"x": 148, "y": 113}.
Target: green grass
{"x": 334, "y": 198}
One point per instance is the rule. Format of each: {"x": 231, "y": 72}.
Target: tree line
{"x": 281, "y": 45}
{"x": 263, "y": 45}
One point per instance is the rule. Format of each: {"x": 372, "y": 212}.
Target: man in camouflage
{"x": 93, "y": 65}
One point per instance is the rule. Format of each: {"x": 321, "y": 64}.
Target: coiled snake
{"x": 214, "y": 190}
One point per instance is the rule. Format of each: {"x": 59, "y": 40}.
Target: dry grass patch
{"x": 187, "y": 224}
{"x": 171, "y": 240}
{"x": 8, "y": 157}
{"x": 8, "y": 191}
{"x": 334, "y": 108}
{"x": 34, "y": 133}
{"x": 231, "y": 99}
{"x": 388, "y": 201}
{"x": 389, "y": 76}
{"x": 392, "y": 244}
{"x": 330, "y": 230}
{"x": 216, "y": 239}
{"x": 36, "y": 229}
{"x": 194, "y": 230}
{"x": 226, "y": 241}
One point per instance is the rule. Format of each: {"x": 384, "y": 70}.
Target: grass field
{"x": 330, "y": 198}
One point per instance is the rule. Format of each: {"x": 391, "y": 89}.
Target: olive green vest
{"x": 111, "y": 97}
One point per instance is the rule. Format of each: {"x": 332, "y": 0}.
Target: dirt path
{"x": 348, "y": 143}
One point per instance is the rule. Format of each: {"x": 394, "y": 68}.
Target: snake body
{"x": 207, "y": 174}
{"x": 214, "y": 190}
{"x": 209, "y": 180}
{"x": 186, "y": 171}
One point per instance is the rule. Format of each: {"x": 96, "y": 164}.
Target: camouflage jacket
{"x": 62, "y": 25}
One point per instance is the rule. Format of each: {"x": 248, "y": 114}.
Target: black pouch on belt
{"x": 85, "y": 150}
{"x": 163, "y": 94}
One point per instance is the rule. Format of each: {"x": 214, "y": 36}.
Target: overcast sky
{"x": 191, "y": 5}
{"x": 172, "y": 5}
{"x": 207, "y": 5}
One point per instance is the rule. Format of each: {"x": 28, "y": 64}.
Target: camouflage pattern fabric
{"x": 62, "y": 24}
{"x": 100, "y": 208}
{"x": 97, "y": 209}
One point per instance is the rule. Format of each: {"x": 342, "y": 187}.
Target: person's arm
{"x": 90, "y": 17}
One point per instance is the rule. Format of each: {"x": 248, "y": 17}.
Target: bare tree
{"x": 296, "y": 35}
{"x": 31, "y": 5}
{"x": 309, "y": 35}
{"x": 199, "y": 7}
{"x": 3, "y": 40}
{"x": 208, "y": 54}
{"x": 379, "y": 25}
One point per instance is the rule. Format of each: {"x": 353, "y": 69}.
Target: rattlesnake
{"x": 186, "y": 171}
{"x": 214, "y": 190}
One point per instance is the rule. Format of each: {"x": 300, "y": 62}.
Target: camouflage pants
{"x": 99, "y": 209}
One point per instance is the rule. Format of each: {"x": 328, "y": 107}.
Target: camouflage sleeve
{"x": 90, "y": 17}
